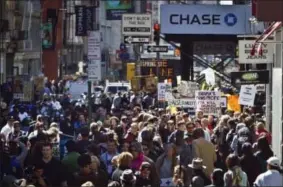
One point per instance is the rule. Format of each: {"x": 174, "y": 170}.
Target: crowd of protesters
{"x": 131, "y": 143}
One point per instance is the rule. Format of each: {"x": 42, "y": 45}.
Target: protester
{"x": 128, "y": 141}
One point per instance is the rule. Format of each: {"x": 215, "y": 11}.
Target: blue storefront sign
{"x": 115, "y": 8}
{"x": 205, "y": 19}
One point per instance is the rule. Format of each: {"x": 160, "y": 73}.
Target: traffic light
{"x": 156, "y": 33}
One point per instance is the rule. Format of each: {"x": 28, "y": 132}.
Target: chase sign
{"x": 205, "y": 19}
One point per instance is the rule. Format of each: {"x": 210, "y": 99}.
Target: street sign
{"x": 152, "y": 49}
{"x": 94, "y": 70}
{"x": 136, "y": 25}
{"x": 172, "y": 54}
{"x": 94, "y": 49}
{"x": 136, "y": 39}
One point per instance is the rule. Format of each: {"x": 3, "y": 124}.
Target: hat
{"x": 197, "y": 163}
{"x": 10, "y": 118}
{"x": 273, "y": 161}
{"x": 128, "y": 176}
{"x": 145, "y": 165}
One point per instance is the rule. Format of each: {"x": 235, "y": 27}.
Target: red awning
{"x": 270, "y": 30}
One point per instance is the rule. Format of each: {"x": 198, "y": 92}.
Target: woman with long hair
{"x": 235, "y": 176}
{"x": 179, "y": 176}
{"x": 124, "y": 162}
{"x": 166, "y": 163}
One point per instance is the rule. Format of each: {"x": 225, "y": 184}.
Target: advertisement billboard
{"x": 250, "y": 77}
{"x": 205, "y": 19}
{"x": 116, "y": 8}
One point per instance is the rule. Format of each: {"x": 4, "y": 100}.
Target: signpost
{"x": 94, "y": 64}
{"x": 157, "y": 49}
{"x": 136, "y": 39}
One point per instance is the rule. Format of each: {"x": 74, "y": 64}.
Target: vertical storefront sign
{"x": 48, "y": 29}
{"x": 47, "y": 38}
{"x": 90, "y": 18}
{"x": 81, "y": 21}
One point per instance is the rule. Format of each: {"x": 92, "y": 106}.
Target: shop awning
{"x": 269, "y": 31}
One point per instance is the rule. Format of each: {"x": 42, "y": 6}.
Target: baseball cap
{"x": 274, "y": 161}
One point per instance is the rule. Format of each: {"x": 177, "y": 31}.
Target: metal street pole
{"x": 89, "y": 101}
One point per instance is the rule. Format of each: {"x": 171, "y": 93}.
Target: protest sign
{"x": 191, "y": 102}
{"x": 162, "y": 91}
{"x": 247, "y": 95}
{"x": 209, "y": 102}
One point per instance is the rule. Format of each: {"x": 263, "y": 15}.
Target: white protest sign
{"x": 184, "y": 103}
{"x": 209, "y": 102}
{"x": 162, "y": 91}
{"x": 247, "y": 95}
{"x": 245, "y": 48}
{"x": 187, "y": 88}
{"x": 191, "y": 102}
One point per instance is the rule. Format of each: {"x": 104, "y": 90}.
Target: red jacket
{"x": 263, "y": 132}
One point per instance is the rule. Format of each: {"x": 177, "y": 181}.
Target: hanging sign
{"x": 90, "y": 18}
{"x": 246, "y": 47}
{"x": 250, "y": 77}
{"x": 81, "y": 20}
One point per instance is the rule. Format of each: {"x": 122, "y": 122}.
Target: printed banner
{"x": 191, "y": 102}
{"x": 81, "y": 21}
{"x": 115, "y": 8}
{"x": 209, "y": 102}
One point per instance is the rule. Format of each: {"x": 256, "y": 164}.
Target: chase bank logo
{"x": 230, "y": 19}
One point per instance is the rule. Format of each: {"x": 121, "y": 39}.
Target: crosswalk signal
{"x": 156, "y": 33}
